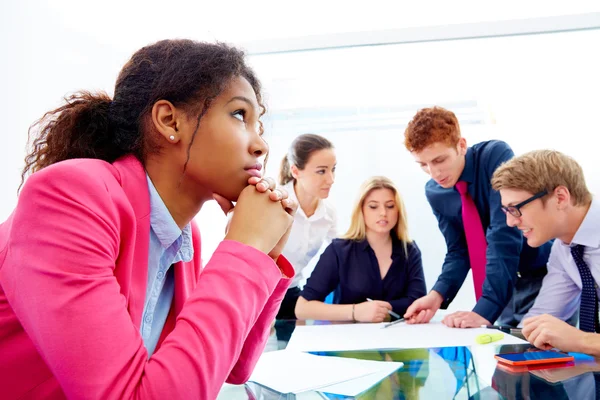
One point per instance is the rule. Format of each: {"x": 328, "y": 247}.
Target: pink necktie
{"x": 476, "y": 242}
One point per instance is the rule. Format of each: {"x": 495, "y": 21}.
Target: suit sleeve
{"x": 257, "y": 338}
{"x": 503, "y": 251}
{"x": 59, "y": 279}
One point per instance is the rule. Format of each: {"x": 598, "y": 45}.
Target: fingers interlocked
{"x": 269, "y": 185}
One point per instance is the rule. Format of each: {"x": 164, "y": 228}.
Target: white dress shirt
{"x": 561, "y": 289}
{"x": 309, "y": 236}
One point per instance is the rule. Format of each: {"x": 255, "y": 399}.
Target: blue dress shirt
{"x": 168, "y": 245}
{"x": 350, "y": 269}
{"x": 507, "y": 250}
{"x": 560, "y": 294}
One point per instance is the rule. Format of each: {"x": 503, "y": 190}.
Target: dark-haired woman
{"x": 307, "y": 174}
{"x": 102, "y": 292}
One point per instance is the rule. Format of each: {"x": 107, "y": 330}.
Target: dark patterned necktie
{"x": 588, "y": 311}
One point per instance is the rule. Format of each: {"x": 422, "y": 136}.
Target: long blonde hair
{"x": 358, "y": 228}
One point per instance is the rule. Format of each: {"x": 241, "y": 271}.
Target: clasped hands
{"x": 263, "y": 216}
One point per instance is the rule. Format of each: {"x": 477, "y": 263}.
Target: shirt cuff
{"x": 487, "y": 309}
{"x": 286, "y": 268}
{"x": 442, "y": 288}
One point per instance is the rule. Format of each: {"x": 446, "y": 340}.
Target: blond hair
{"x": 358, "y": 229}
{"x": 541, "y": 170}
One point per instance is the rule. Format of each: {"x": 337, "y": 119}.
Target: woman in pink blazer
{"x": 183, "y": 128}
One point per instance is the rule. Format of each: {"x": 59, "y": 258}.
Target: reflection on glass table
{"x": 457, "y": 373}
{"x": 574, "y": 380}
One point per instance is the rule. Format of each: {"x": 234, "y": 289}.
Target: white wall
{"x": 532, "y": 91}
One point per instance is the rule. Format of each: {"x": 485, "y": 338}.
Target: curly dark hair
{"x": 187, "y": 73}
{"x": 429, "y": 126}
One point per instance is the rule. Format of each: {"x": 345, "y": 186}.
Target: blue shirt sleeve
{"x": 325, "y": 277}
{"x": 504, "y": 249}
{"x": 415, "y": 280}
{"x": 456, "y": 264}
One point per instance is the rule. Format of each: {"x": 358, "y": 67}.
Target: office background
{"x": 523, "y": 73}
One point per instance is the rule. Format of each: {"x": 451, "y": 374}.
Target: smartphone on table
{"x": 534, "y": 357}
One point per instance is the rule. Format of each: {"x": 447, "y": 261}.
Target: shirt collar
{"x": 397, "y": 247}
{"x": 468, "y": 174}
{"x": 364, "y": 244}
{"x": 588, "y": 233}
{"x": 164, "y": 226}
{"x": 320, "y": 212}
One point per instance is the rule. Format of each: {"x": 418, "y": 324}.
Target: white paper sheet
{"x": 356, "y": 386}
{"x": 343, "y": 337}
{"x": 287, "y": 371}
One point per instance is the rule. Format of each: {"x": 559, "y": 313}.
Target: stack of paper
{"x": 344, "y": 337}
{"x": 356, "y": 386}
{"x": 288, "y": 371}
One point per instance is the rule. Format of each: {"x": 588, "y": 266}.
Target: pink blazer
{"x": 73, "y": 273}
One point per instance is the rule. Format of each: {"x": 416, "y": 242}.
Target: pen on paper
{"x": 506, "y": 329}
{"x": 502, "y": 328}
{"x": 393, "y": 322}
{"x": 393, "y": 314}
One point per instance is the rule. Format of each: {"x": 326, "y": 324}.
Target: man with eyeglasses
{"x": 507, "y": 273}
{"x": 545, "y": 196}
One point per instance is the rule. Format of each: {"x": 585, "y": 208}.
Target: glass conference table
{"x": 450, "y": 373}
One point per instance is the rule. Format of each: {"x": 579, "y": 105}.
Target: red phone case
{"x": 564, "y": 359}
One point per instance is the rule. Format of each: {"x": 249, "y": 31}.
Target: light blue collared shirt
{"x": 560, "y": 294}
{"x": 168, "y": 245}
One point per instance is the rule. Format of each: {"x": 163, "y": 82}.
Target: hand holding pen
{"x": 393, "y": 314}
{"x": 372, "y": 311}
{"x": 389, "y": 311}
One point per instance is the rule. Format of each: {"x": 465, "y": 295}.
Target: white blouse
{"x": 309, "y": 236}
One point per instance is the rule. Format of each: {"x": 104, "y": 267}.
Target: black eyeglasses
{"x": 515, "y": 210}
